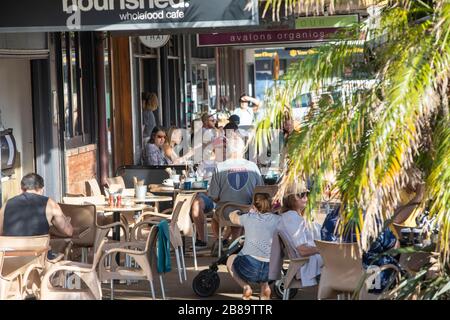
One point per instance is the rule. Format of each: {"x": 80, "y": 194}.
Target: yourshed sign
{"x": 112, "y": 15}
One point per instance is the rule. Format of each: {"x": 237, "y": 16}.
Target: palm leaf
{"x": 372, "y": 138}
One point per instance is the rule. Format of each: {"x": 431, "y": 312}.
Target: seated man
{"x": 31, "y": 213}
{"x": 233, "y": 181}
{"x": 202, "y": 204}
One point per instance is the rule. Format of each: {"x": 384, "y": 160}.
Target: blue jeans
{"x": 250, "y": 269}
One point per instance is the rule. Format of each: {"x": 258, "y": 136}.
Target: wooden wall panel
{"x": 122, "y": 102}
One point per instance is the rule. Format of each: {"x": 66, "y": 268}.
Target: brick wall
{"x": 81, "y": 165}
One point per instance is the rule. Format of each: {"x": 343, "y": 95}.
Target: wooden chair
{"x": 144, "y": 255}
{"x": 85, "y": 272}
{"x": 342, "y": 268}
{"x": 16, "y": 271}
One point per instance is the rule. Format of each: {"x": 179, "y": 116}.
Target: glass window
{"x": 77, "y": 117}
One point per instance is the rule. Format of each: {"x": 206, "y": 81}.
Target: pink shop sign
{"x": 264, "y": 37}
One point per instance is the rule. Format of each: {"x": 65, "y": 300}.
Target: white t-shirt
{"x": 259, "y": 229}
{"x": 298, "y": 230}
{"x": 246, "y": 116}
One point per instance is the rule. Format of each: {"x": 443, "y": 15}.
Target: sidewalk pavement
{"x": 228, "y": 290}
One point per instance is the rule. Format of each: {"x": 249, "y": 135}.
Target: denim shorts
{"x": 250, "y": 269}
{"x": 209, "y": 204}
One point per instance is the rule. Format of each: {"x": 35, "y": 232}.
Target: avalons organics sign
{"x": 84, "y": 15}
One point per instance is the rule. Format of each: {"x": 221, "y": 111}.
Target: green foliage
{"x": 383, "y": 127}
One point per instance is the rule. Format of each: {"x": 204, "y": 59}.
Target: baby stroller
{"x": 206, "y": 283}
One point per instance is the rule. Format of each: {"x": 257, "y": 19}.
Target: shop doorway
{"x": 147, "y": 80}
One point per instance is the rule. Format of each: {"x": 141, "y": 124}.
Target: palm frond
{"x": 373, "y": 137}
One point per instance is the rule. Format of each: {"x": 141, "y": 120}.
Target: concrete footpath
{"x": 228, "y": 289}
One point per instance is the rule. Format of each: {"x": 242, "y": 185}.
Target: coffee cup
{"x": 168, "y": 182}
{"x": 140, "y": 192}
{"x": 197, "y": 184}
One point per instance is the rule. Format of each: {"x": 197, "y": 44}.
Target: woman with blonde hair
{"x": 174, "y": 138}
{"x": 149, "y": 106}
{"x": 251, "y": 265}
{"x": 301, "y": 235}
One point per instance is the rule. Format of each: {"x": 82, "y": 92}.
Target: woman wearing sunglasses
{"x": 301, "y": 235}
{"x": 154, "y": 149}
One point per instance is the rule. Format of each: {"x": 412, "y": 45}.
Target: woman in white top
{"x": 251, "y": 265}
{"x": 301, "y": 236}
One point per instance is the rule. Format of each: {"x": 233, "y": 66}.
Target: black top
{"x": 25, "y": 216}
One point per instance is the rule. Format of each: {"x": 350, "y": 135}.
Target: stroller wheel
{"x": 278, "y": 288}
{"x": 206, "y": 283}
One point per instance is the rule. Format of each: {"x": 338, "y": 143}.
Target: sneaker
{"x": 200, "y": 244}
{"x": 215, "y": 247}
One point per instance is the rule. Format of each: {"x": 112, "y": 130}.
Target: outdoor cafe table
{"x": 150, "y": 199}
{"x": 137, "y": 208}
{"x": 160, "y": 188}
{"x": 21, "y": 259}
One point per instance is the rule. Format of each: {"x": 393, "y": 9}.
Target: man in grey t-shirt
{"x": 233, "y": 181}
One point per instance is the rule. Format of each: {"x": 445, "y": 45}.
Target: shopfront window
{"x": 76, "y": 79}
{"x": 205, "y": 86}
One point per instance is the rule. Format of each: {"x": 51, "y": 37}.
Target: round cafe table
{"x": 160, "y": 188}
{"x": 137, "y": 208}
{"x": 151, "y": 199}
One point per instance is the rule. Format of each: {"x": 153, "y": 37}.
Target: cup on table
{"x": 197, "y": 184}
{"x": 140, "y": 192}
{"x": 168, "y": 182}
{"x": 187, "y": 185}
{"x": 205, "y": 184}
